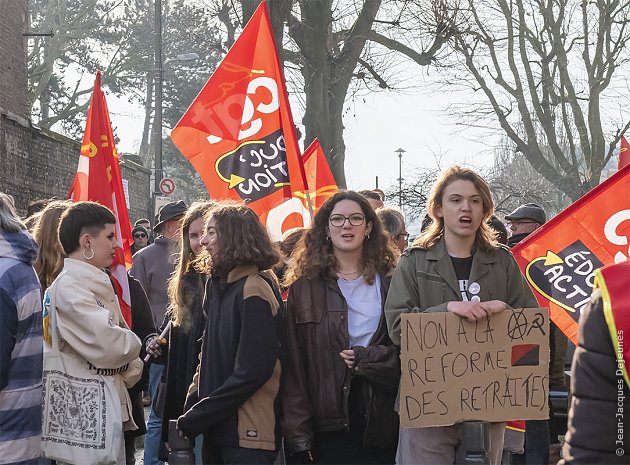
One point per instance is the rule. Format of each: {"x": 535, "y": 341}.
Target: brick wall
{"x": 39, "y": 164}
{"x": 13, "y": 80}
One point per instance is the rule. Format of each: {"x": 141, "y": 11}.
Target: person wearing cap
{"x": 140, "y": 238}
{"x": 152, "y": 266}
{"x": 523, "y": 221}
{"x": 147, "y": 225}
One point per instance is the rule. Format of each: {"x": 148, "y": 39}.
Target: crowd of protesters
{"x": 254, "y": 346}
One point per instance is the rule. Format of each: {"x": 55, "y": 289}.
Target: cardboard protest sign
{"x": 494, "y": 369}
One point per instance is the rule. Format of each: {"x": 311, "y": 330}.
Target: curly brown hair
{"x": 179, "y": 302}
{"x": 241, "y": 239}
{"x": 314, "y": 256}
{"x": 486, "y": 238}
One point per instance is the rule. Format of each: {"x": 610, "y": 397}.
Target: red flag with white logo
{"x": 239, "y": 133}
{"x": 98, "y": 179}
{"x": 560, "y": 258}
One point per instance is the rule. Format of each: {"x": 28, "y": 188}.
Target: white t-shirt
{"x": 364, "y": 308}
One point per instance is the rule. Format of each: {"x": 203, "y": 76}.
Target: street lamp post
{"x": 157, "y": 120}
{"x": 159, "y": 77}
{"x": 400, "y": 179}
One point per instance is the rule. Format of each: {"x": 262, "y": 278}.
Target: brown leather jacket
{"x": 317, "y": 381}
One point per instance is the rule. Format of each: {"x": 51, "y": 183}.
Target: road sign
{"x": 167, "y": 186}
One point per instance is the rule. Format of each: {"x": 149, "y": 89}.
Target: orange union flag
{"x": 239, "y": 133}
{"x": 559, "y": 259}
{"x": 98, "y": 179}
{"x": 320, "y": 180}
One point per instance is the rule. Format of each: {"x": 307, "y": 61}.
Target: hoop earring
{"x": 90, "y": 257}
{"x": 367, "y": 236}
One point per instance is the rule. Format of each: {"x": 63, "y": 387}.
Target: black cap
{"x": 170, "y": 211}
{"x": 139, "y": 228}
{"x": 529, "y": 211}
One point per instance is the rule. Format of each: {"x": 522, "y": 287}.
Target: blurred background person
{"x": 186, "y": 290}
{"x": 499, "y": 228}
{"x": 146, "y": 224}
{"x": 20, "y": 342}
{"x": 287, "y": 245}
{"x": 394, "y": 224}
{"x": 374, "y": 198}
{"x": 50, "y": 254}
{"x": 33, "y": 209}
{"x": 234, "y": 401}
{"x": 88, "y": 318}
{"x": 153, "y": 266}
{"x": 140, "y": 237}
{"x": 337, "y": 337}
{"x": 523, "y": 221}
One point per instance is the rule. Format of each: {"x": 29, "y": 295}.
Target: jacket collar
{"x": 240, "y": 272}
{"x": 444, "y": 265}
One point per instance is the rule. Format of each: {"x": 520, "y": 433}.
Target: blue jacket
{"x": 20, "y": 351}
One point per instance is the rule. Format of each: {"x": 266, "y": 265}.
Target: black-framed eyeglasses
{"x": 517, "y": 222}
{"x": 405, "y": 235}
{"x": 139, "y": 236}
{"x": 356, "y": 219}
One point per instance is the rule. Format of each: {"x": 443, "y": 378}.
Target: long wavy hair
{"x": 241, "y": 239}
{"x": 314, "y": 256}
{"x": 180, "y": 300}
{"x": 486, "y": 237}
{"x": 50, "y": 253}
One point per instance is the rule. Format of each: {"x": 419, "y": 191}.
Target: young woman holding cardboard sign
{"x": 456, "y": 266}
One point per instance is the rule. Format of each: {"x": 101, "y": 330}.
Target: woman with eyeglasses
{"x": 394, "y": 224}
{"x": 342, "y": 368}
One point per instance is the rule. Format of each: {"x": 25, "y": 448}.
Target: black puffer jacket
{"x": 599, "y": 395}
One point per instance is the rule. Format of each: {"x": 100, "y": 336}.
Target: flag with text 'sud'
{"x": 239, "y": 133}
{"x": 320, "y": 180}
{"x": 98, "y": 179}
{"x": 560, "y": 258}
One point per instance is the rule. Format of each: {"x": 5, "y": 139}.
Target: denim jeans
{"x": 154, "y": 425}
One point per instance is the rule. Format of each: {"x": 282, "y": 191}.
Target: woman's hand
{"x": 154, "y": 346}
{"x": 494, "y": 306}
{"x": 476, "y": 310}
{"x": 471, "y": 310}
{"x": 348, "y": 357}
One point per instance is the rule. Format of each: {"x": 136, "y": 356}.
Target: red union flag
{"x": 624, "y": 153}
{"x": 320, "y": 180}
{"x": 559, "y": 259}
{"x": 98, "y": 179}
{"x": 239, "y": 133}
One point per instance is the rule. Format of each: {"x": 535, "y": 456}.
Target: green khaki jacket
{"x": 425, "y": 281}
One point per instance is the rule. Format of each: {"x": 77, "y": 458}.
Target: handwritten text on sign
{"x": 494, "y": 369}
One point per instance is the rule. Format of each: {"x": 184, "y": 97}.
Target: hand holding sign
{"x": 491, "y": 369}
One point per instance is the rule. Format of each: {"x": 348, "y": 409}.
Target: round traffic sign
{"x": 167, "y": 186}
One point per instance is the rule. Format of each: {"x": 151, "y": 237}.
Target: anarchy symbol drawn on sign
{"x": 167, "y": 186}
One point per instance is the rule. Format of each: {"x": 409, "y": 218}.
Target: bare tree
{"x": 333, "y": 52}
{"x": 514, "y": 181}
{"x": 547, "y": 70}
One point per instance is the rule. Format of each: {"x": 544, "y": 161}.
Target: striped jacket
{"x": 20, "y": 351}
